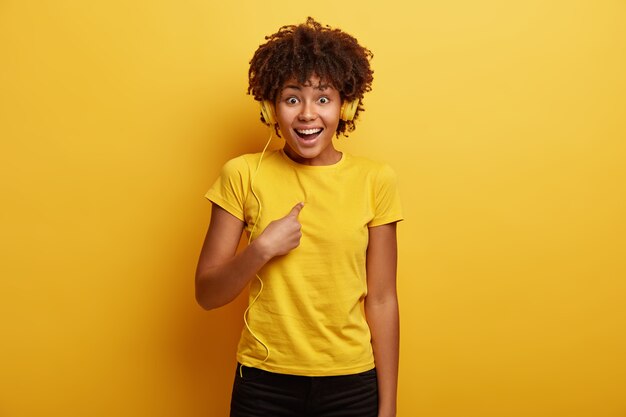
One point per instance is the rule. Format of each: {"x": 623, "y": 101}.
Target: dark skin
{"x": 221, "y": 273}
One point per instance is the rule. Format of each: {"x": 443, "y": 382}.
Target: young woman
{"x": 321, "y": 333}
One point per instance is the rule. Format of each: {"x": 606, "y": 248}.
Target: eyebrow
{"x": 320, "y": 87}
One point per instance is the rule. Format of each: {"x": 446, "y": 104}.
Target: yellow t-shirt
{"x": 309, "y": 313}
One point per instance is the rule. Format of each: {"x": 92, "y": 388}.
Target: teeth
{"x": 308, "y": 131}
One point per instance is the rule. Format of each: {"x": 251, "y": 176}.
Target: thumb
{"x": 296, "y": 210}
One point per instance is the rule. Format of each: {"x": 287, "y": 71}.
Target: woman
{"x": 321, "y": 333}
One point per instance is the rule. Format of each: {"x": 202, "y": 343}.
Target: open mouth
{"x": 308, "y": 134}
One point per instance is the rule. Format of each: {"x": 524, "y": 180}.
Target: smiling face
{"x": 308, "y": 116}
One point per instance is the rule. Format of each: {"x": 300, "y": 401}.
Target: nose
{"x": 307, "y": 112}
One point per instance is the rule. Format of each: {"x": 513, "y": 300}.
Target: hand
{"x": 283, "y": 235}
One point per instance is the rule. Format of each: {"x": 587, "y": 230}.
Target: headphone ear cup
{"x": 348, "y": 110}
{"x": 267, "y": 111}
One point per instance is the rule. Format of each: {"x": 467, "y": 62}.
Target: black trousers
{"x": 266, "y": 394}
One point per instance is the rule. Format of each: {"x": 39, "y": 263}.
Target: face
{"x": 308, "y": 116}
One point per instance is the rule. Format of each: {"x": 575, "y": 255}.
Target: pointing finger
{"x": 296, "y": 209}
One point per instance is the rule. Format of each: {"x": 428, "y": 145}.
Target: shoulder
{"x": 237, "y": 163}
{"x": 244, "y": 163}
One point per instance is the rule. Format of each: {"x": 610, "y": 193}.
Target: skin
{"x": 222, "y": 273}
{"x": 312, "y": 106}
{"x": 381, "y": 311}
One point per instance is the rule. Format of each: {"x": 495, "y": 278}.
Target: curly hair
{"x": 300, "y": 51}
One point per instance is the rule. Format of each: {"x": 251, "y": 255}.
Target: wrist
{"x": 387, "y": 409}
{"x": 260, "y": 249}
{"x": 386, "y": 413}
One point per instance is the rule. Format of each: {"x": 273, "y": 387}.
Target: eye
{"x": 292, "y": 100}
{"x": 324, "y": 100}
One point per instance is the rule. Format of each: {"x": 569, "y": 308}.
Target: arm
{"x": 221, "y": 274}
{"x": 381, "y": 310}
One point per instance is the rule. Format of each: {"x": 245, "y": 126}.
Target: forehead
{"x": 314, "y": 82}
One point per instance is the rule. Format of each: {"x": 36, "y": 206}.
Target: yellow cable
{"x": 245, "y": 314}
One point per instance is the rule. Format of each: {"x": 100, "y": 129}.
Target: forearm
{"x": 219, "y": 284}
{"x": 384, "y": 323}
{"x": 221, "y": 273}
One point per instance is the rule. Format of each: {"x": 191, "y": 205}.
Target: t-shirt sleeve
{"x": 387, "y": 207}
{"x": 230, "y": 189}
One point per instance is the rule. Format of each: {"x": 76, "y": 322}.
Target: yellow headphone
{"x": 267, "y": 111}
{"x": 348, "y": 110}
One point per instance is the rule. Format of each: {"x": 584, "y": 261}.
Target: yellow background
{"x": 505, "y": 121}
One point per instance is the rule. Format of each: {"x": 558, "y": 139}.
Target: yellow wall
{"x": 506, "y": 122}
